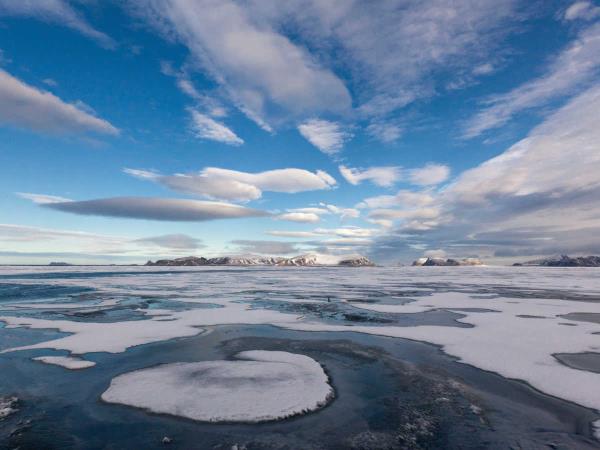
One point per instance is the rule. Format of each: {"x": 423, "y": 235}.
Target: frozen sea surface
{"x": 527, "y": 324}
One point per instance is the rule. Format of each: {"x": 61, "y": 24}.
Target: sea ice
{"x": 502, "y": 342}
{"x": 68, "y": 362}
{"x": 8, "y": 406}
{"x": 505, "y": 341}
{"x": 74, "y": 305}
{"x": 259, "y": 386}
{"x": 116, "y": 337}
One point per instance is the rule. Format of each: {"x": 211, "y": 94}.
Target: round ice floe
{"x": 259, "y": 386}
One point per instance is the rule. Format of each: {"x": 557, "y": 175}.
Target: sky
{"x": 144, "y": 129}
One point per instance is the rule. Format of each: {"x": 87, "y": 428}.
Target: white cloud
{"x": 143, "y": 174}
{"x": 302, "y": 217}
{"x": 483, "y": 69}
{"x": 55, "y": 11}
{"x": 426, "y": 213}
{"x": 355, "y": 232}
{"x": 403, "y": 198}
{"x": 172, "y": 241}
{"x": 429, "y": 175}
{"x": 277, "y": 61}
{"x": 260, "y": 68}
{"x": 571, "y": 70}
{"x": 310, "y": 210}
{"x": 381, "y": 176}
{"x": 395, "y": 49}
{"x": 209, "y": 104}
{"x": 438, "y": 253}
{"x": 385, "y": 131}
{"x": 206, "y": 127}
{"x": 539, "y": 197}
{"x": 329, "y": 137}
{"x": 582, "y": 10}
{"x": 342, "y": 212}
{"x": 266, "y": 247}
{"x": 23, "y": 233}
{"x": 24, "y": 106}
{"x": 29, "y": 244}
{"x": 343, "y": 236}
{"x": 313, "y": 214}
{"x": 149, "y": 208}
{"x": 50, "y": 82}
{"x": 561, "y": 155}
{"x": 233, "y": 185}
{"x": 42, "y": 199}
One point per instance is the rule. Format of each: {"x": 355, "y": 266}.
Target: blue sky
{"x": 144, "y": 129}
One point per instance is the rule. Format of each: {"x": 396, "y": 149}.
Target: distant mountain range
{"x": 301, "y": 260}
{"x": 447, "y": 262}
{"x": 564, "y": 261}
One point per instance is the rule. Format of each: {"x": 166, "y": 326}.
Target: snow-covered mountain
{"x": 311, "y": 259}
{"x": 447, "y": 262}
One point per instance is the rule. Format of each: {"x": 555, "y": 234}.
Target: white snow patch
{"x": 261, "y": 385}
{"x": 68, "y": 362}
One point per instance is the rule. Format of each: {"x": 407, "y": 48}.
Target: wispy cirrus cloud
{"x": 205, "y": 127}
{"x": 28, "y": 243}
{"x": 344, "y": 232}
{"x": 176, "y": 241}
{"x": 313, "y": 214}
{"x": 385, "y": 176}
{"x": 570, "y": 71}
{"x": 582, "y": 10}
{"x": 266, "y": 247}
{"x": 59, "y": 12}
{"x": 24, "y": 106}
{"x": 327, "y": 136}
{"x": 233, "y": 185}
{"x": 520, "y": 202}
{"x": 208, "y": 103}
{"x": 430, "y": 174}
{"x": 270, "y": 61}
{"x": 259, "y": 68}
{"x": 41, "y": 199}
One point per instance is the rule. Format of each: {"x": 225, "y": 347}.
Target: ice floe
{"x": 68, "y": 362}
{"x": 8, "y": 406}
{"x": 116, "y": 337}
{"x": 258, "y": 386}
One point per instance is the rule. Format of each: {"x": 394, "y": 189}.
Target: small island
{"x": 447, "y": 262}
{"x": 564, "y": 261}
